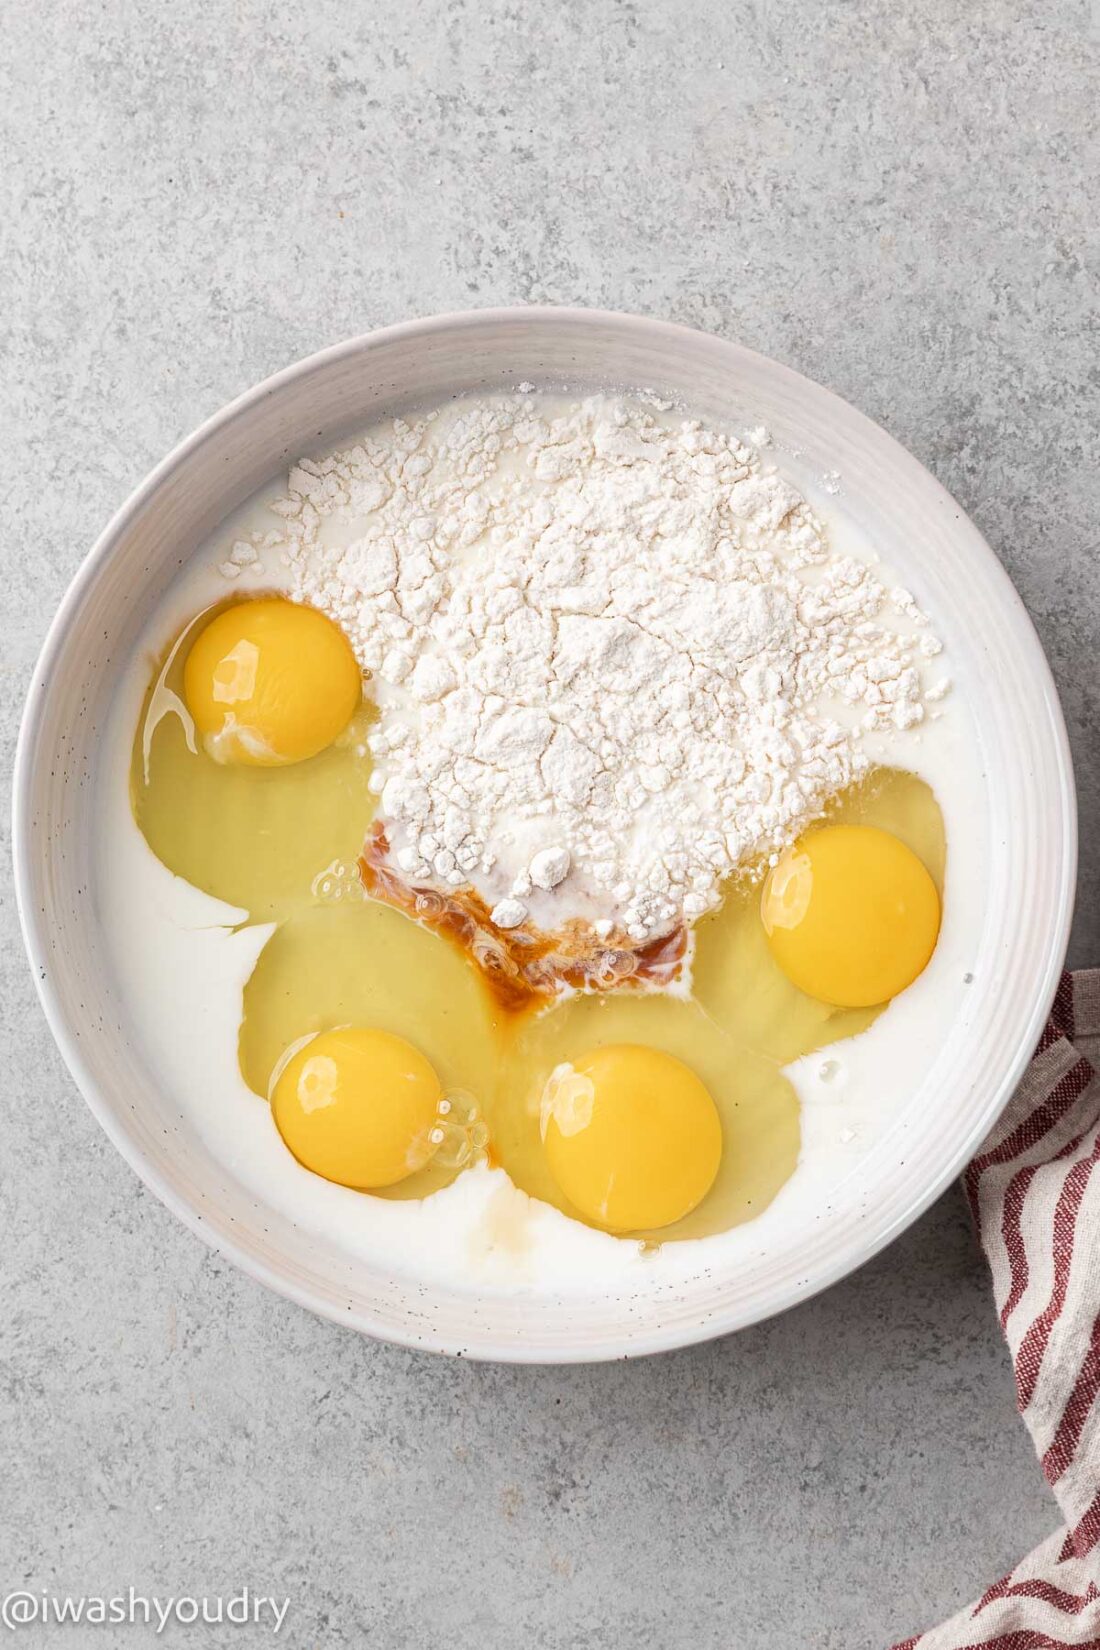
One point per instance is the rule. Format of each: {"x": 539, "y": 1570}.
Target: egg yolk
{"x": 269, "y": 682}
{"x": 851, "y": 915}
{"x": 358, "y": 1106}
{"x": 631, "y": 1135}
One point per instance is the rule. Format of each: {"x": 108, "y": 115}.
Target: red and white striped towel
{"x": 1036, "y": 1200}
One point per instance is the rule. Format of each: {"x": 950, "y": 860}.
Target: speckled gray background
{"x": 901, "y": 201}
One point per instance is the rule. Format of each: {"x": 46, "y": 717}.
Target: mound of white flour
{"x": 613, "y": 659}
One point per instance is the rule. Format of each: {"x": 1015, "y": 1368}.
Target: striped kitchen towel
{"x": 1036, "y": 1202}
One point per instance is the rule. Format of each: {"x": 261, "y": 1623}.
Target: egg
{"x": 358, "y": 1106}
{"x": 631, "y": 1135}
{"x": 851, "y": 915}
{"x": 270, "y": 682}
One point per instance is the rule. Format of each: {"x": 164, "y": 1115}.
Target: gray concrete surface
{"x": 898, "y": 200}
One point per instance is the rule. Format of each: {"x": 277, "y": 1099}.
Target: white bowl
{"x": 888, "y": 496}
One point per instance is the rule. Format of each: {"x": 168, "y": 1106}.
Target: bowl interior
{"x": 895, "y": 502}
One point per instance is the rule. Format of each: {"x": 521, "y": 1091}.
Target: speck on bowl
{"x": 995, "y": 656}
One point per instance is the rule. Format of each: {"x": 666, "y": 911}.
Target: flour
{"x": 613, "y": 659}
